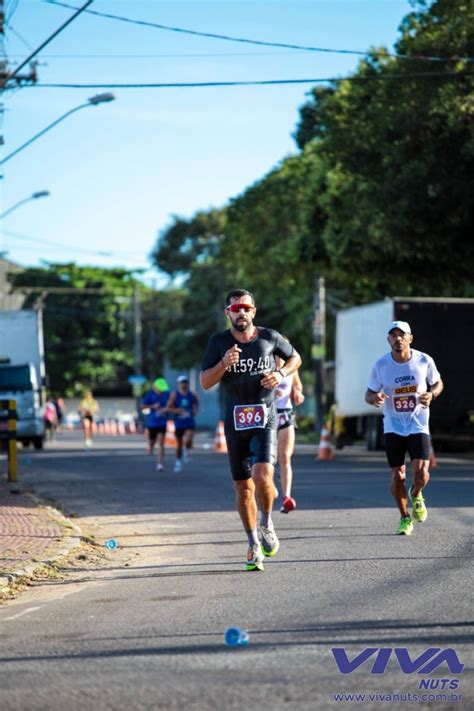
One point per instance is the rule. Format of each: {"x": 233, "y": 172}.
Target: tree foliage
{"x": 87, "y": 321}
{"x": 378, "y": 200}
{"x": 190, "y": 250}
{"x": 399, "y": 152}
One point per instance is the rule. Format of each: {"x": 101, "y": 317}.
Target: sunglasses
{"x": 235, "y": 308}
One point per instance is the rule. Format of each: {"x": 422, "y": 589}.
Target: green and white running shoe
{"x": 270, "y": 542}
{"x": 255, "y": 558}
{"x": 420, "y": 512}
{"x": 405, "y": 527}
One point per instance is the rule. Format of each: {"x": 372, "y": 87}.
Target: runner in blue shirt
{"x": 183, "y": 405}
{"x": 153, "y": 404}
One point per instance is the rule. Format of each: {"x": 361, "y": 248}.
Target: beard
{"x": 242, "y": 325}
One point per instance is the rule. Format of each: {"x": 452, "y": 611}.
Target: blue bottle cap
{"x": 111, "y": 544}
{"x": 235, "y": 637}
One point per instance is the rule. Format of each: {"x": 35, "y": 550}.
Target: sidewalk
{"x": 31, "y": 533}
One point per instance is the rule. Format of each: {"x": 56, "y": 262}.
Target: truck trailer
{"x": 441, "y": 327}
{"x": 22, "y": 372}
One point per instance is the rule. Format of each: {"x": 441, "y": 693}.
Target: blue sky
{"x": 118, "y": 172}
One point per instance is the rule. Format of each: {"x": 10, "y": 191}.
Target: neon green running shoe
{"x": 270, "y": 542}
{"x": 420, "y": 512}
{"x": 255, "y": 558}
{"x": 405, "y": 527}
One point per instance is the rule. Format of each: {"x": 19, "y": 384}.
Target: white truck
{"x": 22, "y": 372}
{"x": 443, "y": 328}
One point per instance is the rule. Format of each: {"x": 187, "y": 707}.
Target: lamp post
{"x": 35, "y": 196}
{"x": 93, "y": 101}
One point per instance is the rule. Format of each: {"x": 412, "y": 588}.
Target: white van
{"x": 20, "y": 383}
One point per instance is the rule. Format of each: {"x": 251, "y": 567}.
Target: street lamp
{"x": 35, "y": 196}
{"x": 93, "y": 101}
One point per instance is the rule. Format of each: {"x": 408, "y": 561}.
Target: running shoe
{"x": 159, "y": 467}
{"x": 405, "y": 527}
{"x": 270, "y": 542}
{"x": 178, "y": 467}
{"x": 255, "y": 558}
{"x": 420, "y": 512}
{"x": 288, "y": 504}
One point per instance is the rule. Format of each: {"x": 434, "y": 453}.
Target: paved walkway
{"x": 29, "y": 532}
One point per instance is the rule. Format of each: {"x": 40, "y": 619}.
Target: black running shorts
{"x": 153, "y": 432}
{"x": 248, "y": 448}
{"x": 285, "y": 418}
{"x": 396, "y": 447}
{"x": 180, "y": 433}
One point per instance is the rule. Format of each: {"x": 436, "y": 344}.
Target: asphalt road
{"x": 144, "y": 630}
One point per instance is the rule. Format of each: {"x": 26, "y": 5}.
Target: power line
{"x": 14, "y": 73}
{"x": 262, "y": 43}
{"x": 165, "y": 55}
{"x": 263, "y": 82}
{"x": 69, "y": 247}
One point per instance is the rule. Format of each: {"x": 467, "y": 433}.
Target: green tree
{"x": 87, "y": 321}
{"x": 190, "y": 252}
{"x": 398, "y": 146}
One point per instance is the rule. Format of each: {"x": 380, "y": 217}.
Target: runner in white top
{"x": 288, "y": 393}
{"x": 405, "y": 382}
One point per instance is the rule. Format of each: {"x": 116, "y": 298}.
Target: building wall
{"x": 8, "y": 301}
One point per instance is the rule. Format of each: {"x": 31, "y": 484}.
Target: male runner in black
{"x": 243, "y": 357}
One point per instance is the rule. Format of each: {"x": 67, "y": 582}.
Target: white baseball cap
{"x": 402, "y": 325}
{"x": 182, "y": 379}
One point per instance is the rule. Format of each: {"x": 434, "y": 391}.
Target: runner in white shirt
{"x": 405, "y": 382}
{"x": 288, "y": 393}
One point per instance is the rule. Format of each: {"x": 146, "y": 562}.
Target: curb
{"x": 72, "y": 542}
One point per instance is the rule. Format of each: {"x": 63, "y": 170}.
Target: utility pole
{"x": 137, "y": 329}
{"x": 318, "y": 351}
{"x": 30, "y": 78}
{"x": 14, "y": 78}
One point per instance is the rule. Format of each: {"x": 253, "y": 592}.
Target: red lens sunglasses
{"x": 235, "y": 308}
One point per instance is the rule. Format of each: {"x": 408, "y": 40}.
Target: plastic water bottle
{"x": 235, "y": 637}
{"x": 111, "y": 544}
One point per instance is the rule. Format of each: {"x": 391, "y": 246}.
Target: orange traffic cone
{"x": 170, "y": 435}
{"x": 325, "y": 450}
{"x": 220, "y": 444}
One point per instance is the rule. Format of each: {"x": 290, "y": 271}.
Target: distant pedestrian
{"x": 50, "y": 418}
{"x": 183, "y": 405}
{"x": 60, "y": 410}
{"x": 406, "y": 382}
{"x": 88, "y": 410}
{"x": 154, "y": 406}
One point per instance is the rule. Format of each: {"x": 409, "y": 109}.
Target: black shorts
{"x": 396, "y": 447}
{"x": 250, "y": 447}
{"x": 285, "y": 418}
{"x": 153, "y": 432}
{"x": 180, "y": 433}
